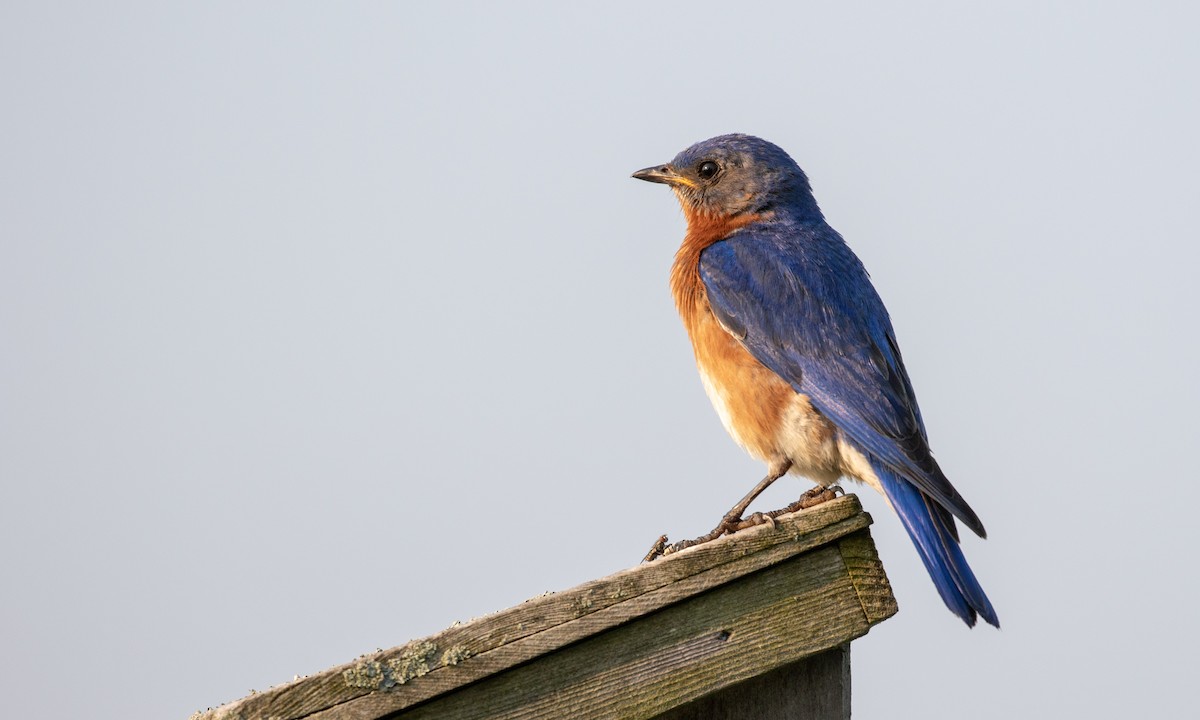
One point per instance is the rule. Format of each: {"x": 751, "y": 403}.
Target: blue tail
{"x": 933, "y": 532}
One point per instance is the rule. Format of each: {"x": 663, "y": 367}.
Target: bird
{"x": 797, "y": 353}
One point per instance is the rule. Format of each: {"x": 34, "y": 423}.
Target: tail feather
{"x": 932, "y": 531}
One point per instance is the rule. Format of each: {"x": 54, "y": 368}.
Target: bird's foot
{"x": 661, "y": 548}
{"x": 758, "y": 518}
{"x": 816, "y": 496}
{"x": 728, "y": 526}
{"x": 733, "y": 522}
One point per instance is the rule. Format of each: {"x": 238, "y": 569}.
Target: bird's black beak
{"x": 662, "y": 174}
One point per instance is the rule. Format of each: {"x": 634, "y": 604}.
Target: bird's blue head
{"x": 730, "y": 175}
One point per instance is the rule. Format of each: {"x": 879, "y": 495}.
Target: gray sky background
{"x": 326, "y": 325}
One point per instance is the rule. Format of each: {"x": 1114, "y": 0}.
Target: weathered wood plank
{"x": 392, "y": 680}
{"x": 533, "y": 646}
{"x": 815, "y": 688}
{"x": 794, "y": 609}
{"x": 866, "y": 572}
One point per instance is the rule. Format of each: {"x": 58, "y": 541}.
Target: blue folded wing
{"x": 804, "y": 307}
{"x": 801, "y": 302}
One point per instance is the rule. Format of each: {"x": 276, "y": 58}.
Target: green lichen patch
{"x": 369, "y": 674}
{"x": 413, "y": 662}
{"x": 454, "y": 655}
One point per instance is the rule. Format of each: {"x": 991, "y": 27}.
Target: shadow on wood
{"x": 768, "y": 612}
{"x": 815, "y": 688}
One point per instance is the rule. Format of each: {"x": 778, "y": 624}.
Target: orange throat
{"x": 686, "y": 286}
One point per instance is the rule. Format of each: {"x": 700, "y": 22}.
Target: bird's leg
{"x": 731, "y": 522}
{"x": 812, "y": 498}
{"x": 734, "y": 516}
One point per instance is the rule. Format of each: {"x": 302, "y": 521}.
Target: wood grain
{"x": 815, "y": 688}
{"x": 612, "y": 613}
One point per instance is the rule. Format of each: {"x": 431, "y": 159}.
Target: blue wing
{"x": 802, "y": 304}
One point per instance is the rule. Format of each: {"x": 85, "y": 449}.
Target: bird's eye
{"x": 707, "y": 169}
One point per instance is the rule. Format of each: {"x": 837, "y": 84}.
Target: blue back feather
{"x": 802, "y": 304}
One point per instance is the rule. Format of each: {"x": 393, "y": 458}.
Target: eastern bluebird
{"x": 796, "y": 350}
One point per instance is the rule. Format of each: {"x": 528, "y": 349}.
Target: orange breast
{"x": 751, "y": 399}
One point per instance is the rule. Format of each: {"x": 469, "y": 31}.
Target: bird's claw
{"x": 819, "y": 494}
{"x": 728, "y": 526}
{"x": 731, "y": 524}
{"x": 760, "y": 518}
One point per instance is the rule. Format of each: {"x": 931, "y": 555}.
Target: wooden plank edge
{"x": 460, "y": 645}
{"x": 793, "y": 609}
{"x": 443, "y": 680}
{"x": 869, "y": 578}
